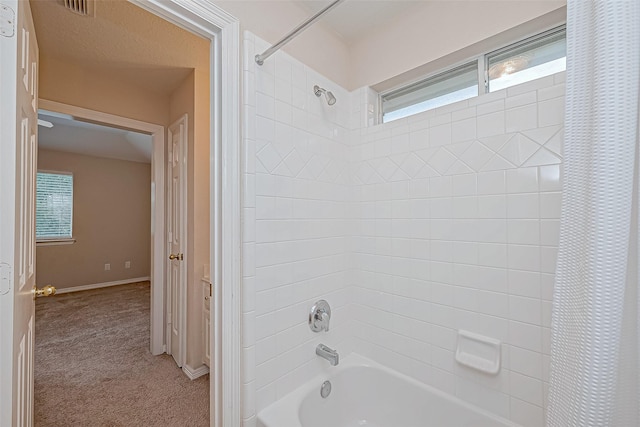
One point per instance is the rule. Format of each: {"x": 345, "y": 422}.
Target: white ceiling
{"x": 92, "y": 139}
{"x": 354, "y": 18}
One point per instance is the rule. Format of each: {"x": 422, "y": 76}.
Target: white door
{"x": 177, "y": 234}
{"x": 18, "y": 133}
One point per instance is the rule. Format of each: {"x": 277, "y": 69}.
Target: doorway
{"x": 147, "y": 81}
{"x": 204, "y": 18}
{"x": 223, "y": 31}
{"x": 157, "y": 276}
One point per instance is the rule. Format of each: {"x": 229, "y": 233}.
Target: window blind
{"x": 54, "y": 205}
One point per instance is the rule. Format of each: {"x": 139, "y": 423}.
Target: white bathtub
{"x": 365, "y": 393}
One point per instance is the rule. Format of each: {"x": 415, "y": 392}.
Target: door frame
{"x": 157, "y": 338}
{"x": 204, "y": 18}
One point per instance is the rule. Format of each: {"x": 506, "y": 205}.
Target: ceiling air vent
{"x": 81, "y": 7}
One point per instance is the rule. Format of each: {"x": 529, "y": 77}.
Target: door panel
{"x": 18, "y": 136}
{"x": 26, "y": 249}
{"x": 176, "y": 199}
{"x": 175, "y": 310}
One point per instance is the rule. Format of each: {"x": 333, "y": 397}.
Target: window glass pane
{"x": 528, "y": 60}
{"x": 54, "y": 205}
{"x": 446, "y": 88}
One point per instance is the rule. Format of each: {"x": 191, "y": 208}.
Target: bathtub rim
{"x": 274, "y": 415}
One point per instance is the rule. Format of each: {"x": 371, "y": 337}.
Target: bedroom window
{"x": 54, "y": 207}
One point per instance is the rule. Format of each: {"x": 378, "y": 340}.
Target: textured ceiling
{"x": 91, "y": 139}
{"x": 131, "y": 43}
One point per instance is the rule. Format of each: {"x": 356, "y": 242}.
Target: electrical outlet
{"x": 127, "y": 264}
{"x": 107, "y": 267}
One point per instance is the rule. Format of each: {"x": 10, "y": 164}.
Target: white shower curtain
{"x": 596, "y": 318}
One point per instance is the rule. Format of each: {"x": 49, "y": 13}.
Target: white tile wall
{"x": 459, "y": 230}
{"x": 411, "y": 230}
{"x": 295, "y": 225}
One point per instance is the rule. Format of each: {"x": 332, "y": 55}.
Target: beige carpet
{"x": 93, "y": 365}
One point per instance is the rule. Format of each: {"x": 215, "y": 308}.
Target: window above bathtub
{"x": 445, "y": 88}
{"x": 528, "y": 59}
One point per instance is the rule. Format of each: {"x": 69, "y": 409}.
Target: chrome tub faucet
{"x": 319, "y": 316}
{"x": 328, "y": 354}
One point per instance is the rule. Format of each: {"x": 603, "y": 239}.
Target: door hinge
{"x": 7, "y": 21}
{"x": 5, "y": 278}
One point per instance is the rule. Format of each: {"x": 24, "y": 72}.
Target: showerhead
{"x": 330, "y": 98}
{"x": 327, "y": 94}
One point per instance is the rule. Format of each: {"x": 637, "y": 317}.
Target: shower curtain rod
{"x": 300, "y": 28}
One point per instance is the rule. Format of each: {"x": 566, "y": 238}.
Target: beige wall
{"x": 421, "y": 35}
{"x": 185, "y": 99}
{"x": 111, "y": 222}
{"x": 318, "y": 47}
{"x": 200, "y": 174}
{"x": 435, "y": 30}
{"x": 91, "y": 88}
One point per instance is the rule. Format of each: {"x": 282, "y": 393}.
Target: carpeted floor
{"x": 93, "y": 366}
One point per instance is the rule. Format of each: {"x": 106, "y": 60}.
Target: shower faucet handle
{"x": 320, "y": 316}
{"x": 324, "y": 320}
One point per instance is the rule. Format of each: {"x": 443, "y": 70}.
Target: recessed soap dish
{"x": 478, "y": 352}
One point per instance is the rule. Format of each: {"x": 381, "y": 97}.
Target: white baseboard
{"x": 101, "y": 285}
{"x": 195, "y": 373}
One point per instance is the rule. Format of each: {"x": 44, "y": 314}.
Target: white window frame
{"x": 58, "y": 240}
{"x": 432, "y": 78}
{"x": 483, "y": 67}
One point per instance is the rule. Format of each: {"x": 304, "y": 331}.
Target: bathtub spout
{"x": 328, "y": 354}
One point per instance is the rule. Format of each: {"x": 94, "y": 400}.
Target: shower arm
{"x": 300, "y": 28}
